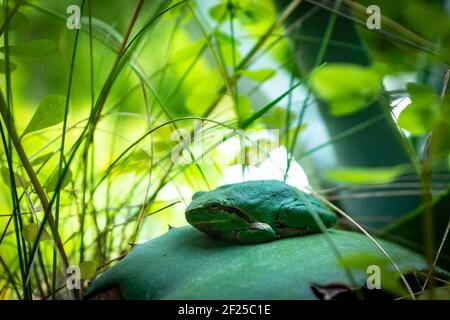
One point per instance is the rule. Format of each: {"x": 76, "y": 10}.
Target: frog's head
{"x": 213, "y": 212}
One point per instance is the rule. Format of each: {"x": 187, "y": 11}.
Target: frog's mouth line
{"x": 236, "y": 212}
{"x": 212, "y": 221}
{"x": 231, "y": 211}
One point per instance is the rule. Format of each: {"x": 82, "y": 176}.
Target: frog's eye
{"x": 214, "y": 206}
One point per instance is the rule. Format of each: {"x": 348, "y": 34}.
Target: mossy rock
{"x": 186, "y": 264}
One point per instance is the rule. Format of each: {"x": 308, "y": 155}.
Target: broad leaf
{"x": 18, "y": 179}
{"x": 50, "y": 112}
{"x": 419, "y": 116}
{"x": 41, "y": 159}
{"x": 244, "y": 107}
{"x": 229, "y": 55}
{"x": 218, "y": 12}
{"x": 88, "y": 269}
{"x": 17, "y": 21}
{"x": 281, "y": 269}
{"x": 250, "y": 12}
{"x": 389, "y": 277}
{"x": 53, "y": 181}
{"x": 33, "y": 50}
{"x": 12, "y": 66}
{"x": 365, "y": 175}
{"x": 409, "y": 229}
{"x": 138, "y": 161}
{"x": 71, "y": 237}
{"x": 30, "y": 232}
{"x": 245, "y": 11}
{"x": 189, "y": 51}
{"x": 441, "y": 131}
{"x": 259, "y": 75}
{"x": 346, "y": 87}
{"x": 276, "y": 118}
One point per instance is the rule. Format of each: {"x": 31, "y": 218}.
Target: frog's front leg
{"x": 256, "y": 232}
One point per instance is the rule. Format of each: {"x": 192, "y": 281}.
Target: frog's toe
{"x": 256, "y": 232}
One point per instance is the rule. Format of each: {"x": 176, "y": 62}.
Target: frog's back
{"x": 262, "y": 197}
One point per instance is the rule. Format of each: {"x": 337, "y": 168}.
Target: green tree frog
{"x": 257, "y": 211}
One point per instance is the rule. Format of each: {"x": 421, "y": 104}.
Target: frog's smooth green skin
{"x": 257, "y": 211}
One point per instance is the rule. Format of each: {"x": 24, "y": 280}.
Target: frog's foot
{"x": 256, "y": 232}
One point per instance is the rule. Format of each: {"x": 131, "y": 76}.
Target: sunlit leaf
{"x": 42, "y": 159}
{"x": 189, "y": 51}
{"x": 418, "y": 117}
{"x": 346, "y": 87}
{"x": 365, "y": 175}
{"x": 292, "y": 131}
{"x": 33, "y": 50}
{"x": 30, "y": 233}
{"x": 72, "y": 236}
{"x": 225, "y": 37}
{"x": 218, "y": 12}
{"x": 250, "y": 12}
{"x": 244, "y": 107}
{"x": 49, "y": 113}
{"x": 388, "y": 276}
{"x": 198, "y": 102}
{"x": 53, "y": 181}
{"x": 17, "y": 178}
{"x": 138, "y": 161}
{"x": 12, "y": 66}
{"x": 229, "y": 55}
{"x": 276, "y": 118}
{"x": 259, "y": 75}
{"x": 88, "y": 269}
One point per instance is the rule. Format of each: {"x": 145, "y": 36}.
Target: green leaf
{"x": 225, "y": 37}
{"x": 189, "y": 51}
{"x": 276, "y": 118}
{"x": 30, "y": 232}
{"x": 218, "y": 12}
{"x": 259, "y": 75}
{"x": 197, "y": 102}
{"x": 226, "y": 49}
{"x": 440, "y": 145}
{"x": 346, "y": 87}
{"x": 281, "y": 269}
{"x": 366, "y": 175}
{"x": 138, "y": 161}
{"x": 409, "y": 229}
{"x": 250, "y": 12}
{"x": 33, "y": 50}
{"x": 88, "y": 269}
{"x": 42, "y": 159}
{"x": 72, "y": 236}
{"x": 419, "y": 116}
{"x": 390, "y": 280}
{"x": 245, "y": 107}
{"x": 18, "y": 20}
{"x": 17, "y": 178}
{"x": 436, "y": 294}
{"x": 53, "y": 181}
{"x": 12, "y": 66}
{"x": 49, "y": 113}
